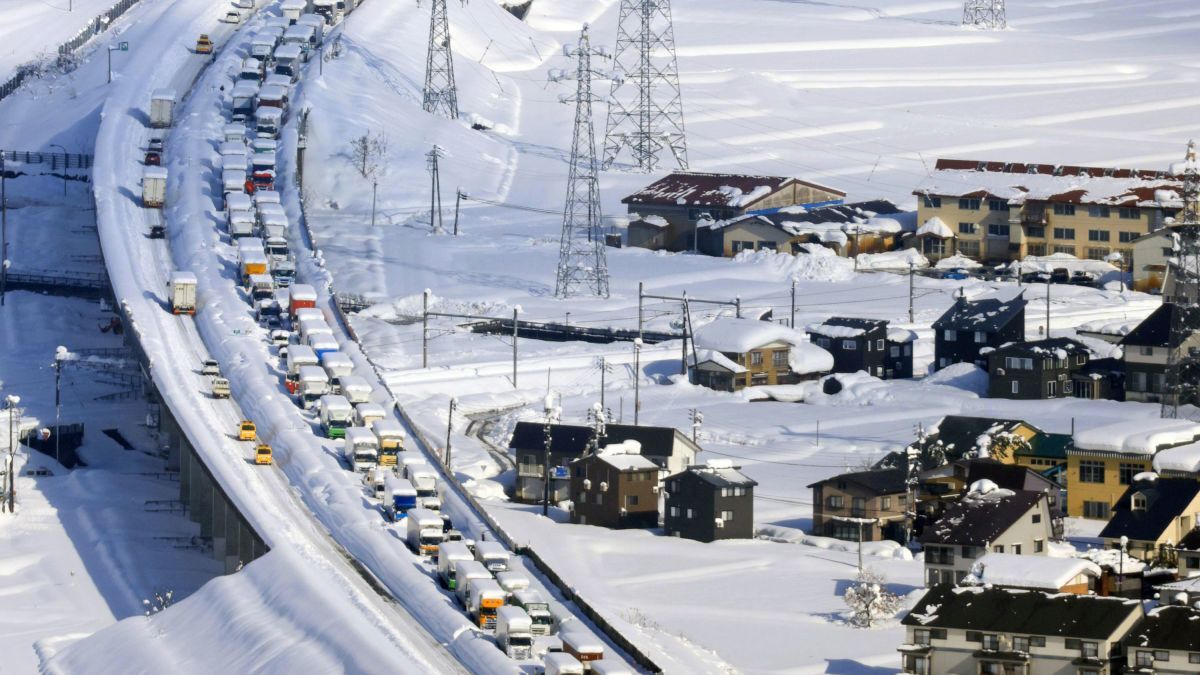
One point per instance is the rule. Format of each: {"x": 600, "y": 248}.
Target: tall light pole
{"x": 60, "y": 355}
{"x": 12, "y": 400}
{"x": 552, "y": 412}
{"x": 1121, "y": 565}
{"x": 637, "y": 379}
{"x": 64, "y": 166}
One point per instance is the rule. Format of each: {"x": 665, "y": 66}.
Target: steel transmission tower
{"x": 987, "y": 14}
{"x": 581, "y": 258}
{"x": 441, "y": 95}
{"x": 645, "y": 107}
{"x": 1183, "y": 366}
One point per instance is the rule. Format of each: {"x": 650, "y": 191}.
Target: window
{"x": 767, "y": 245}
{"x": 974, "y": 636}
{"x": 969, "y": 552}
{"x": 1037, "y": 231}
{"x": 917, "y": 665}
{"x": 921, "y": 636}
{"x": 1037, "y": 641}
{"x": 1158, "y": 382}
{"x": 1016, "y": 387}
{"x": 1094, "y": 253}
{"x": 966, "y": 228}
{"x": 1162, "y": 655}
{"x": 743, "y": 246}
{"x": 1127, "y": 237}
{"x": 849, "y": 345}
{"x": 1091, "y": 472}
{"x": 1193, "y": 562}
{"x": 756, "y": 358}
{"x": 691, "y": 514}
{"x": 779, "y": 359}
{"x": 980, "y": 337}
{"x": 1090, "y": 650}
{"x": 1037, "y": 518}
{"x": 835, "y": 501}
{"x": 998, "y": 205}
{"x": 674, "y": 511}
{"x": 894, "y": 352}
{"x": 1016, "y": 549}
{"x": 967, "y": 204}
{"x": 1095, "y": 510}
{"x": 950, "y": 335}
{"x": 998, "y": 229}
{"x": 968, "y": 248}
{"x": 991, "y": 642}
{"x": 879, "y": 344}
{"x": 998, "y": 548}
{"x": 823, "y": 342}
{"x": 1127, "y": 471}
{"x": 1138, "y": 381}
{"x": 1064, "y": 209}
{"x": 727, "y": 515}
{"x": 1020, "y": 644}
{"x": 1069, "y": 250}
{"x": 1039, "y": 545}
{"x": 858, "y": 507}
{"x": 1098, "y": 211}
{"x": 1138, "y": 502}
{"x": 885, "y": 503}
{"x": 599, "y": 498}
{"x": 1193, "y": 658}
{"x": 1098, "y": 235}
{"x": 932, "y": 202}
{"x": 1130, "y": 213}
{"x": 1064, "y": 233}
{"x": 1051, "y": 389}
{"x": 1144, "y": 659}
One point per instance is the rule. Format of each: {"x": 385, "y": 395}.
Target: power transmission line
{"x": 1183, "y": 305}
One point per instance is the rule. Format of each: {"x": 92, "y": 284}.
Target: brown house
{"x": 731, "y": 354}
{"x": 880, "y": 494}
{"x": 614, "y": 488}
{"x": 670, "y": 207}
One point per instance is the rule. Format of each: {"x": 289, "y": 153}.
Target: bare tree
{"x": 869, "y": 600}
{"x": 369, "y": 153}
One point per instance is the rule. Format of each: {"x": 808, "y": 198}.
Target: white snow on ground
{"x": 33, "y": 30}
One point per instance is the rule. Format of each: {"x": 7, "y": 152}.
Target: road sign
{"x": 123, "y": 46}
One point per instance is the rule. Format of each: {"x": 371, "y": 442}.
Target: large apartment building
{"x": 1001, "y": 211}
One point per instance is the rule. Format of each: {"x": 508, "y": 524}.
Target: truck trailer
{"x": 424, "y": 532}
{"x": 302, "y": 296}
{"x": 514, "y": 632}
{"x": 154, "y": 187}
{"x": 335, "y": 412}
{"x": 361, "y": 447}
{"x": 162, "y": 108}
{"x": 402, "y": 494}
{"x": 183, "y": 293}
{"x": 298, "y": 356}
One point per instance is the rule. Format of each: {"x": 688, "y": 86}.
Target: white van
{"x": 268, "y": 121}
{"x": 558, "y": 663}
{"x": 492, "y": 555}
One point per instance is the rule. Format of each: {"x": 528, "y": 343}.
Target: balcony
{"x": 530, "y": 470}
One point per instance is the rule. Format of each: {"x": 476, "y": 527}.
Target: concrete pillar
{"x": 233, "y": 534}
{"x": 196, "y": 479}
{"x": 174, "y": 437}
{"x": 217, "y": 510}
{"x": 185, "y": 471}
{"x": 246, "y": 544}
{"x": 202, "y": 505}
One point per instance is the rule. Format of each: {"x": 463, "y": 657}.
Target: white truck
{"x": 154, "y": 187}
{"x": 262, "y": 45}
{"x": 162, "y": 108}
{"x": 559, "y": 663}
{"x": 450, "y": 553}
{"x": 238, "y": 204}
{"x": 240, "y": 223}
{"x": 262, "y": 287}
{"x": 356, "y": 389}
{"x": 512, "y": 581}
{"x": 292, "y": 9}
{"x": 425, "y": 480}
{"x": 233, "y": 132}
{"x": 244, "y": 100}
{"x": 311, "y": 385}
{"x": 287, "y": 61}
{"x": 233, "y": 182}
{"x": 323, "y": 344}
{"x": 365, "y": 415}
{"x": 514, "y": 632}
{"x": 424, "y": 532}
{"x": 318, "y": 26}
{"x": 537, "y": 608}
{"x": 334, "y": 413}
{"x": 266, "y": 196}
{"x": 466, "y": 571}
{"x": 361, "y": 450}
{"x": 298, "y": 356}
{"x": 307, "y": 327}
{"x": 183, "y": 293}
{"x": 268, "y": 121}
{"x": 492, "y": 555}
{"x": 338, "y": 365}
{"x": 277, "y": 249}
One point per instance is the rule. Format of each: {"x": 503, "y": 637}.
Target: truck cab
{"x": 450, "y": 553}
{"x": 262, "y": 287}
{"x": 514, "y": 632}
{"x": 486, "y": 597}
{"x": 361, "y": 448}
{"x": 298, "y": 356}
{"x": 262, "y": 454}
{"x": 312, "y": 385}
{"x": 424, "y": 532}
{"x": 535, "y": 605}
{"x": 402, "y": 494}
{"x": 391, "y": 438}
{"x": 247, "y": 431}
{"x": 365, "y": 415}
{"x": 335, "y": 417}
{"x": 492, "y": 555}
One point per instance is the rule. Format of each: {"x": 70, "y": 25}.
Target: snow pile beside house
{"x": 957, "y": 261}
{"x": 1144, "y": 438}
{"x": 788, "y": 535}
{"x": 814, "y": 263}
{"x": 965, "y": 376}
{"x": 1029, "y": 571}
{"x": 892, "y": 260}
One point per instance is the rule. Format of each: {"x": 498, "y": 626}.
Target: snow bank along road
{"x": 366, "y": 633}
{"x": 140, "y": 269}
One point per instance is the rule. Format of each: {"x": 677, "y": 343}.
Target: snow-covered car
{"x": 281, "y": 337}
{"x": 232, "y": 16}
{"x": 210, "y": 367}
{"x": 243, "y": 4}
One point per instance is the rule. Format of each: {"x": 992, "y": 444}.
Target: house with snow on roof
{"x": 1154, "y": 514}
{"x": 934, "y": 239}
{"x": 971, "y": 328}
{"x": 846, "y": 229}
{"x": 1035, "y": 572}
{"x": 986, "y": 519}
{"x": 1000, "y": 630}
{"x": 1149, "y": 348}
{"x": 1166, "y": 640}
{"x": 709, "y": 502}
{"x": 686, "y": 198}
{"x": 880, "y": 494}
{"x": 1004, "y": 211}
{"x": 732, "y": 354}
{"x": 1036, "y": 370}
{"x": 865, "y": 344}
{"x": 616, "y": 487}
{"x": 1103, "y": 461}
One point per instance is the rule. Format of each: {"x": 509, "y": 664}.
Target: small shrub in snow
{"x": 869, "y": 600}
{"x": 369, "y": 153}
{"x": 162, "y": 600}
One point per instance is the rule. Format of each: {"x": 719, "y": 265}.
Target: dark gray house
{"x": 1042, "y": 369}
{"x": 898, "y": 362}
{"x": 971, "y": 325}
{"x": 710, "y": 502}
{"x": 1148, "y": 348}
{"x": 856, "y": 344}
{"x": 670, "y": 207}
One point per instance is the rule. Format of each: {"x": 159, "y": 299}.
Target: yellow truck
{"x": 262, "y": 454}
{"x": 247, "y": 431}
{"x": 204, "y": 44}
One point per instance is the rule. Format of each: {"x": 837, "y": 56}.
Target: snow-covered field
{"x": 33, "y": 30}
{"x": 864, "y": 98}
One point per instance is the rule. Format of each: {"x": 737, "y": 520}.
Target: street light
{"x": 11, "y": 401}
{"x": 64, "y": 167}
{"x": 60, "y": 355}
{"x": 637, "y": 379}
{"x": 553, "y": 413}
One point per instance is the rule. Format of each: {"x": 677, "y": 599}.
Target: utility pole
{"x": 457, "y": 203}
{"x": 581, "y": 257}
{"x": 3, "y": 228}
{"x": 637, "y": 379}
{"x": 119, "y": 47}
{"x": 912, "y": 272}
{"x": 59, "y": 354}
{"x": 374, "y": 194}
{"x": 552, "y": 413}
{"x": 860, "y": 522}
{"x": 792, "y": 325}
{"x": 435, "y": 191}
{"x": 986, "y": 14}
{"x": 449, "y": 426}
{"x": 604, "y": 368}
{"x": 697, "y": 420}
{"x": 1047, "y": 308}
{"x": 515, "y": 310}
{"x": 425, "y": 329}
{"x": 645, "y": 110}
{"x": 11, "y": 401}
{"x": 441, "y": 94}
{"x": 640, "y": 299}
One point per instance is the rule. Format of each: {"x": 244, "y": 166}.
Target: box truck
{"x": 360, "y": 449}
{"x": 356, "y": 389}
{"x": 514, "y": 632}
{"x": 450, "y": 553}
{"x": 365, "y": 415}
{"x": 268, "y": 121}
{"x": 391, "y": 439}
{"x": 335, "y": 412}
{"x": 323, "y": 344}
{"x": 244, "y": 100}
{"x": 465, "y": 572}
{"x": 311, "y": 385}
{"x": 559, "y": 663}
{"x": 403, "y": 496}
{"x": 298, "y": 356}
{"x": 582, "y": 646}
{"x": 162, "y": 107}
{"x": 154, "y": 187}
{"x": 287, "y": 61}
{"x": 183, "y": 293}
{"x": 485, "y": 597}
{"x": 424, "y": 532}
{"x": 492, "y": 555}
{"x": 537, "y": 608}
{"x": 302, "y": 296}
{"x": 338, "y": 365}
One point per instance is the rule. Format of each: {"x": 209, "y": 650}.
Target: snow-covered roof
{"x": 693, "y": 188}
{"x": 1140, "y": 437}
{"x": 901, "y": 335}
{"x": 623, "y": 461}
{"x": 1029, "y": 571}
{"x": 714, "y": 356}
{"x": 833, "y": 331}
{"x": 1018, "y": 183}
{"x": 1184, "y": 458}
{"x": 163, "y": 95}
{"x": 155, "y": 172}
{"x": 936, "y": 227}
{"x": 738, "y": 336}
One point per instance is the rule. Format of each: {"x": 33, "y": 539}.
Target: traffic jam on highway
{"x": 482, "y": 577}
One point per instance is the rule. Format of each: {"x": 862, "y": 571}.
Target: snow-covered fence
{"x": 66, "y": 50}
